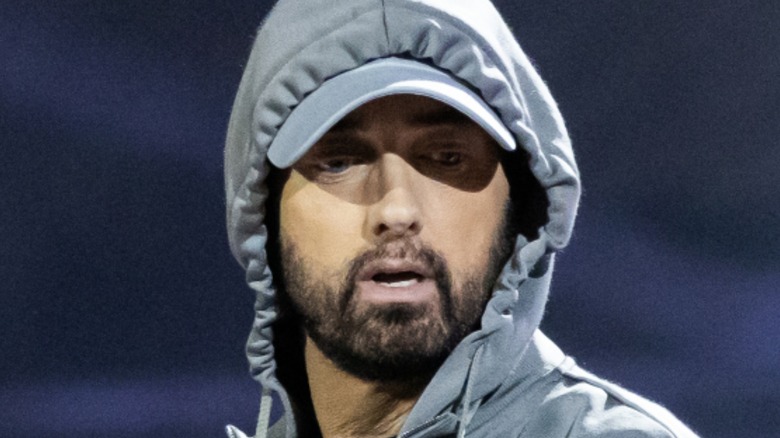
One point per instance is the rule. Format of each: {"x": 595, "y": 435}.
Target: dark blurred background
{"x": 123, "y": 314}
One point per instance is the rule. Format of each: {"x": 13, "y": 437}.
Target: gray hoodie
{"x": 507, "y": 378}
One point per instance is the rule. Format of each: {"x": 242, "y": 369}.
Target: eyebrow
{"x": 341, "y": 147}
{"x": 443, "y": 116}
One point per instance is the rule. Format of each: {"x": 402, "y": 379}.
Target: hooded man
{"x": 398, "y": 181}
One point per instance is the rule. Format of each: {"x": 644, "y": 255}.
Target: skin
{"x": 398, "y": 168}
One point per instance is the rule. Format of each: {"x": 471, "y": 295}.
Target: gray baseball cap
{"x": 342, "y": 94}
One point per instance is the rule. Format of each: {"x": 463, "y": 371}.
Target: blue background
{"x": 122, "y": 312}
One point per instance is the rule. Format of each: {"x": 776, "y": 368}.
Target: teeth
{"x": 405, "y": 283}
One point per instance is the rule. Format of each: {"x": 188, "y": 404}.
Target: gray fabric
{"x": 518, "y": 383}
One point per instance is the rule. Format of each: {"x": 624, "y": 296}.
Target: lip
{"x": 394, "y": 266}
{"x": 423, "y": 288}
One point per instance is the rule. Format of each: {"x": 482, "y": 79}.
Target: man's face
{"x": 392, "y": 232}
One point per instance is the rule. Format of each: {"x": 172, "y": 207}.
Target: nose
{"x": 396, "y": 212}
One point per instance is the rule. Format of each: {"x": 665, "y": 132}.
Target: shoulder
{"x": 585, "y": 408}
{"x": 550, "y": 396}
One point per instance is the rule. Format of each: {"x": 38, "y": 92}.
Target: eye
{"x": 447, "y": 158}
{"x": 336, "y": 165}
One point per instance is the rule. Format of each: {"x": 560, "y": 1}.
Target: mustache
{"x": 403, "y": 249}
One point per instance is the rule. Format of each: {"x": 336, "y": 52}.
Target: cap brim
{"x": 342, "y": 94}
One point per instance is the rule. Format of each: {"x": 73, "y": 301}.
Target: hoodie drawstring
{"x": 264, "y": 416}
{"x": 467, "y": 411}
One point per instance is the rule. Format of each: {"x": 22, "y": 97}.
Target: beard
{"x": 391, "y": 342}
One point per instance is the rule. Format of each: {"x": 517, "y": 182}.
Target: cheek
{"x": 323, "y": 228}
{"x": 466, "y": 225}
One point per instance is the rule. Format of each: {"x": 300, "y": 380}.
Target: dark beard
{"x": 398, "y": 342}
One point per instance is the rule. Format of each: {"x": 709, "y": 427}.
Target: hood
{"x": 302, "y": 44}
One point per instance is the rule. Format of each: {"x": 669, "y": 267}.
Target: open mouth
{"x": 397, "y": 279}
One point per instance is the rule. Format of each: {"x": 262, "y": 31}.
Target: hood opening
{"x": 528, "y": 197}
{"x": 529, "y": 206}
{"x": 288, "y": 339}
{"x": 288, "y": 345}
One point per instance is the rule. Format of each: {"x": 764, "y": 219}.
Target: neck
{"x": 347, "y": 406}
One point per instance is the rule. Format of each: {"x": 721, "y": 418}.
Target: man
{"x": 398, "y": 181}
